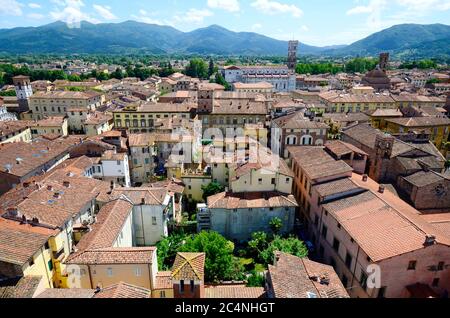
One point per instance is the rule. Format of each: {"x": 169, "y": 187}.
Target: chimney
{"x": 430, "y": 240}
{"x": 381, "y": 189}
{"x": 364, "y": 177}
{"x": 66, "y": 184}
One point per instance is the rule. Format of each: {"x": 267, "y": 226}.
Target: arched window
{"x": 291, "y": 140}
{"x": 306, "y": 140}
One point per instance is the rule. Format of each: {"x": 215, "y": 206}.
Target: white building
{"x": 152, "y": 210}
{"x": 113, "y": 167}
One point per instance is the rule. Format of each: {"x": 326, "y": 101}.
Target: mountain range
{"x": 135, "y": 37}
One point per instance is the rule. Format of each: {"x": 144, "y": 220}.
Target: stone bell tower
{"x": 23, "y": 91}
{"x": 292, "y": 55}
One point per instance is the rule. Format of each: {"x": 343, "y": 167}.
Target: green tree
{"x": 197, "y": 68}
{"x": 74, "y": 78}
{"x": 289, "y": 245}
{"x": 221, "y": 81}
{"x": 167, "y": 250}
{"x": 259, "y": 242}
{"x": 255, "y": 279}
{"x": 276, "y": 224}
{"x": 211, "y": 67}
{"x": 211, "y": 189}
{"x": 220, "y": 264}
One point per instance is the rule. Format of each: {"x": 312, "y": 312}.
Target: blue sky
{"x": 318, "y": 22}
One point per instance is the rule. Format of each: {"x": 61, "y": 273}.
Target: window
{"x": 162, "y": 294}
{"x": 109, "y": 272}
{"x": 154, "y": 220}
{"x": 260, "y": 181}
{"x": 441, "y": 266}
{"x": 324, "y": 231}
{"x": 435, "y": 282}
{"x": 348, "y": 260}
{"x": 336, "y": 244}
{"x": 47, "y": 246}
{"x": 288, "y": 180}
{"x": 138, "y": 271}
{"x": 50, "y": 265}
{"x": 273, "y": 181}
{"x": 118, "y": 162}
{"x": 192, "y": 286}
{"x": 31, "y": 262}
{"x": 344, "y": 281}
{"x": 412, "y": 265}
{"x": 181, "y": 286}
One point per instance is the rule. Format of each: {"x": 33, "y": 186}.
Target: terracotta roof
{"x": 123, "y": 290}
{"x": 341, "y": 148}
{"x": 387, "y": 113}
{"x": 114, "y": 255}
{"x": 97, "y": 118}
{"x": 64, "y": 95}
{"x": 295, "y": 277}
{"x": 55, "y": 121}
{"x": 364, "y": 134}
{"x": 111, "y": 155}
{"x": 22, "y": 158}
{"x": 317, "y": 163}
{"x": 346, "y": 117}
{"x": 59, "y": 197}
{"x": 59, "y": 293}
{"x": 390, "y": 218}
{"x": 420, "y": 121}
{"x": 24, "y": 287}
{"x": 424, "y": 178}
{"x": 151, "y": 196}
{"x": 105, "y": 231}
{"x": 19, "y": 242}
{"x": 298, "y": 121}
{"x": 164, "y": 280}
{"x": 245, "y": 200}
{"x": 189, "y": 266}
{"x": 235, "y": 291}
{"x": 8, "y": 127}
{"x": 440, "y": 221}
{"x": 336, "y": 186}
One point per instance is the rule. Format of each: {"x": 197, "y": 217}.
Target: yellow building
{"x": 437, "y": 127}
{"x": 354, "y": 103}
{"x": 15, "y": 131}
{"x": 28, "y": 252}
{"x": 59, "y": 103}
{"x": 50, "y": 125}
{"x": 141, "y": 118}
{"x": 379, "y": 116}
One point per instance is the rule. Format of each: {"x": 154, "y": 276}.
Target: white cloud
{"x": 274, "y": 7}
{"x": 10, "y": 7}
{"x": 194, "y": 16}
{"x": 146, "y": 17}
{"x": 359, "y": 10}
{"x": 35, "y": 16}
{"x": 256, "y": 26}
{"x": 423, "y": 6}
{"x": 70, "y": 11}
{"x": 227, "y": 5}
{"x": 104, "y": 12}
{"x": 34, "y": 5}
{"x": 374, "y": 9}
{"x": 304, "y": 28}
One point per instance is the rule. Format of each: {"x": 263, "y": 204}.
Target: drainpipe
{"x": 90, "y": 277}
{"x": 354, "y": 269}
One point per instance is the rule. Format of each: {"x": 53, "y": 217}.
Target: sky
{"x": 318, "y": 22}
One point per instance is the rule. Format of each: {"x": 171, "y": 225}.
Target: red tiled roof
{"x": 189, "y": 266}
{"x": 123, "y": 290}
{"x": 236, "y": 291}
